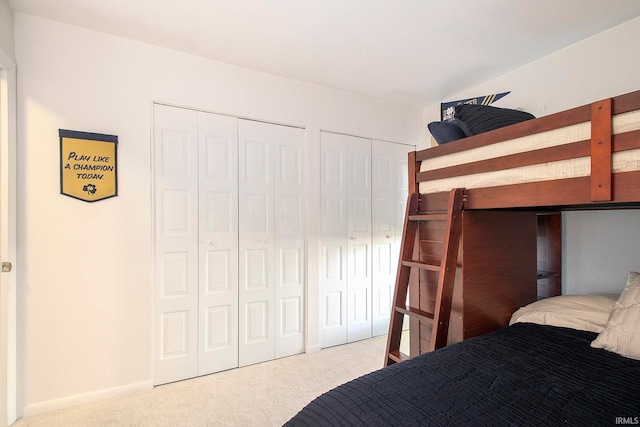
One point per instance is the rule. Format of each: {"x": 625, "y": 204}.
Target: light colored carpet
{"x": 266, "y": 394}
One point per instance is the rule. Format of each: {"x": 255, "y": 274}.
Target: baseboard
{"x": 80, "y": 399}
{"x": 313, "y": 348}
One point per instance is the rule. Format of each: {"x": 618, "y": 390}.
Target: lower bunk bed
{"x": 545, "y": 373}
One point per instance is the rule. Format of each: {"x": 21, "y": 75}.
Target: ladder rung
{"x": 398, "y": 356}
{"x": 422, "y": 265}
{"x": 416, "y": 313}
{"x": 438, "y": 242}
{"x": 546, "y": 274}
{"x": 429, "y": 217}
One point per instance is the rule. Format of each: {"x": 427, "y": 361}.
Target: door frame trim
{"x": 8, "y": 144}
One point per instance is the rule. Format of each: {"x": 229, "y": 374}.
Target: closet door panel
{"x": 218, "y": 243}
{"x": 333, "y": 239}
{"x": 359, "y": 238}
{"x": 389, "y": 202}
{"x": 256, "y": 256}
{"x": 383, "y": 234}
{"x": 289, "y": 243}
{"x": 176, "y": 244}
{"x": 272, "y": 254}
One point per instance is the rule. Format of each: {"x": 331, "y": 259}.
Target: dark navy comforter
{"x": 523, "y": 375}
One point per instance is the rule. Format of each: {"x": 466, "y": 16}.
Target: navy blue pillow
{"x": 475, "y": 118}
{"x": 444, "y": 132}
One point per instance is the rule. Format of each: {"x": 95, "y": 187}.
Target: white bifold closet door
{"x": 361, "y": 225}
{"x": 359, "y": 239}
{"x": 202, "y": 253}
{"x": 217, "y": 243}
{"x": 272, "y": 253}
{"x": 196, "y": 243}
{"x": 345, "y": 238}
{"x": 389, "y": 194}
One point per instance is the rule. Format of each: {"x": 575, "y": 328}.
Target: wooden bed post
{"x": 601, "y": 149}
{"x": 414, "y": 291}
{"x": 414, "y": 168}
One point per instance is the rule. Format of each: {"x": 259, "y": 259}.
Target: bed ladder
{"x": 445, "y": 269}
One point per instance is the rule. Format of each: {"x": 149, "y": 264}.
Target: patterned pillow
{"x": 474, "y": 118}
{"x": 622, "y": 333}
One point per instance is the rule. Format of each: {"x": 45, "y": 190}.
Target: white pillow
{"x": 622, "y": 333}
{"x": 584, "y": 312}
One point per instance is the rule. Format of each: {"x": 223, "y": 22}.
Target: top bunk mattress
{"x": 622, "y": 161}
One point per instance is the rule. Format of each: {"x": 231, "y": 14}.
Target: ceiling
{"x": 415, "y": 52}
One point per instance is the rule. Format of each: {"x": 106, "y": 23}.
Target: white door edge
{"x": 8, "y": 280}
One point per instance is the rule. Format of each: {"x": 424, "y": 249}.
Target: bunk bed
{"x": 531, "y": 367}
{"x": 517, "y": 179}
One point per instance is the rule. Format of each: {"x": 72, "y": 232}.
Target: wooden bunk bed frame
{"x": 601, "y": 189}
{"x": 497, "y": 269}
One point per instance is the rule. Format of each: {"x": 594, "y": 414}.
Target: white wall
{"x": 599, "y": 247}
{"x": 86, "y": 290}
{"x": 6, "y": 29}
